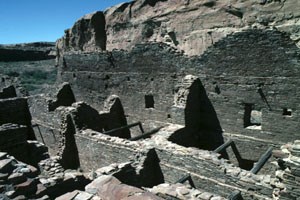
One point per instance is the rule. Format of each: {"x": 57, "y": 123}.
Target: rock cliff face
{"x": 87, "y": 34}
{"x": 188, "y": 25}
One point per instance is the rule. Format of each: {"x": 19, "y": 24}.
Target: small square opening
{"x": 149, "y": 101}
{"x": 217, "y": 89}
{"x": 287, "y": 112}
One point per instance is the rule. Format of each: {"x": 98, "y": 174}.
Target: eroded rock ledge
{"x": 188, "y": 25}
{"x": 27, "y": 52}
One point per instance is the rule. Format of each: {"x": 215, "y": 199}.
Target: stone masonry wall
{"x": 49, "y": 122}
{"x": 258, "y": 67}
{"x": 255, "y": 69}
{"x": 50, "y": 112}
{"x": 130, "y": 79}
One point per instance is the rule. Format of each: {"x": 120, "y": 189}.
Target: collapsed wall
{"x": 11, "y": 87}
{"x": 16, "y": 111}
{"x": 156, "y": 160}
{"x": 14, "y": 140}
{"x": 57, "y": 117}
{"x": 8, "y": 92}
{"x": 208, "y": 172}
{"x": 236, "y": 87}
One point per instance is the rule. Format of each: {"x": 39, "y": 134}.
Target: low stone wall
{"x": 49, "y": 120}
{"x": 16, "y": 111}
{"x": 12, "y": 135}
{"x": 95, "y": 153}
{"x": 8, "y": 92}
{"x": 208, "y": 171}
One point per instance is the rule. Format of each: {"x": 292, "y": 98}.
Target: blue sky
{"x": 24, "y": 21}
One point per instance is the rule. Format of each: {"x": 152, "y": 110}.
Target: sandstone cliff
{"x": 189, "y": 25}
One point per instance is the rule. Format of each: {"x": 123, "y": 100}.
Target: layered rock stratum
{"x": 190, "y": 26}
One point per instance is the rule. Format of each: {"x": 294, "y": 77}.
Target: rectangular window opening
{"x": 149, "y": 101}
{"x": 252, "y": 118}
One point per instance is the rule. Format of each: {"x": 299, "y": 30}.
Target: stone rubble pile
{"x": 164, "y": 190}
{"x": 51, "y": 168}
{"x": 22, "y": 181}
{"x": 18, "y": 180}
{"x": 180, "y": 191}
{"x": 108, "y": 187}
{"x": 289, "y": 172}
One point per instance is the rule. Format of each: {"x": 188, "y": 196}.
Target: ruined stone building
{"x": 162, "y": 99}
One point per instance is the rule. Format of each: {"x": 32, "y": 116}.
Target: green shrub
{"x": 32, "y": 75}
{"x": 12, "y": 73}
{"x": 31, "y": 78}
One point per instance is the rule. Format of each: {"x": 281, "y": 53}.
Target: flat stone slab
{"x": 16, "y": 178}
{"x": 3, "y": 155}
{"x": 3, "y": 176}
{"x": 83, "y": 196}
{"x": 99, "y": 182}
{"x": 26, "y": 188}
{"x": 206, "y": 195}
{"x": 68, "y": 196}
{"x": 6, "y": 165}
{"x": 41, "y": 190}
{"x": 108, "y": 187}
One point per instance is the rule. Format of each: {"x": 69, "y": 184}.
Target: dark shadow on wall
{"x": 98, "y": 23}
{"x": 8, "y": 92}
{"x": 69, "y": 154}
{"x": 151, "y": 2}
{"x": 202, "y": 127}
{"x": 28, "y": 117}
{"x": 64, "y": 97}
{"x": 86, "y": 117}
{"x": 16, "y": 111}
{"x": 145, "y": 171}
{"x": 115, "y": 117}
{"x": 247, "y": 164}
